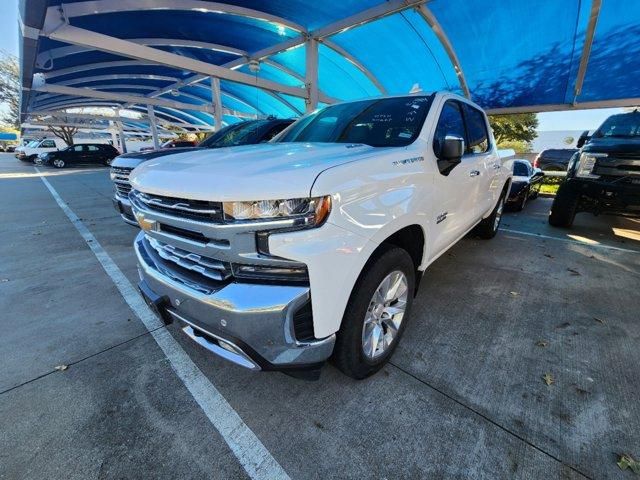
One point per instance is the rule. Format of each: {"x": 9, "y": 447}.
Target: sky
{"x": 570, "y": 120}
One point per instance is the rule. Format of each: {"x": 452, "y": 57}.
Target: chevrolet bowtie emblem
{"x": 145, "y": 224}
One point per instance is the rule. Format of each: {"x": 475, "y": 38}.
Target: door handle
{"x": 474, "y": 173}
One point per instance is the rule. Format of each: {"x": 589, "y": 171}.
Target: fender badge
{"x": 407, "y": 161}
{"x": 442, "y": 217}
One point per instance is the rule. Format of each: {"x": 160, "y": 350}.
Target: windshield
{"x": 33, "y": 143}
{"x": 243, "y": 134}
{"x": 386, "y": 122}
{"x": 520, "y": 169}
{"x": 624, "y": 125}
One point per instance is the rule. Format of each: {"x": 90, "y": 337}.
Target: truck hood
{"x": 253, "y": 172}
{"x": 132, "y": 160}
{"x": 613, "y": 145}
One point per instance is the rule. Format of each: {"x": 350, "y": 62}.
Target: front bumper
{"x": 601, "y": 196}
{"x": 249, "y": 324}
{"x": 123, "y": 207}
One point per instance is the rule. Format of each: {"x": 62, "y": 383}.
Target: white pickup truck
{"x": 280, "y": 255}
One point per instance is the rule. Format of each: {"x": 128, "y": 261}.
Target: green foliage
{"x": 10, "y": 90}
{"x": 518, "y": 145}
{"x": 514, "y": 127}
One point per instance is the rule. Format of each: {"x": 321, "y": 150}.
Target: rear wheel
{"x": 376, "y": 314}
{"x": 488, "y": 227}
{"x": 564, "y": 207}
{"x": 58, "y": 163}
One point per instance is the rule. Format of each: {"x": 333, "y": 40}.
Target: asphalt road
{"x": 463, "y": 397}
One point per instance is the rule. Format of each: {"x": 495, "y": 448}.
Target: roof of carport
{"x": 507, "y": 55}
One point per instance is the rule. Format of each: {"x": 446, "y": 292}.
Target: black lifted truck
{"x": 603, "y": 177}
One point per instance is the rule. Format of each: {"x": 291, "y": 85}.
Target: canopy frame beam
{"x": 433, "y": 23}
{"x": 586, "y": 49}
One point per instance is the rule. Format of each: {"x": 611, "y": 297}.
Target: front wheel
{"x": 488, "y": 227}
{"x": 58, "y": 163}
{"x": 564, "y": 207}
{"x": 521, "y": 204}
{"x": 376, "y": 314}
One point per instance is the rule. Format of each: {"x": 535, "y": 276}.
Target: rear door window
{"x": 48, "y": 144}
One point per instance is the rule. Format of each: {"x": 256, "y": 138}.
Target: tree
{"x": 10, "y": 90}
{"x": 65, "y": 133}
{"x": 514, "y": 127}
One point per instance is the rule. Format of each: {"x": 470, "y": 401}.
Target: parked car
{"x": 86, "y": 153}
{"x": 526, "y": 182}
{"x": 30, "y": 151}
{"x": 554, "y": 159}
{"x": 11, "y": 148}
{"x": 280, "y": 255}
{"x": 604, "y": 176}
{"x": 172, "y": 144}
{"x": 242, "y": 133}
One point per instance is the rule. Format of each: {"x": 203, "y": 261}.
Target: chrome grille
{"x": 209, "y": 267}
{"x": 121, "y": 180}
{"x": 201, "y": 210}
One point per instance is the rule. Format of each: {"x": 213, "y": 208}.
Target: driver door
{"x": 455, "y": 188}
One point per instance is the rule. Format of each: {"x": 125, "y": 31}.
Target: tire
{"x": 58, "y": 163}
{"x": 31, "y": 159}
{"x": 488, "y": 227}
{"x": 520, "y": 206}
{"x": 564, "y": 207}
{"x": 349, "y": 354}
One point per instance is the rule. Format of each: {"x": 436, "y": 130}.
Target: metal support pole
{"x": 217, "y": 103}
{"x": 123, "y": 143}
{"x": 311, "y": 74}
{"x": 154, "y": 128}
{"x": 114, "y": 137}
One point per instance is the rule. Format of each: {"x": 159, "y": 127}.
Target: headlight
{"x": 309, "y": 211}
{"x": 112, "y": 175}
{"x": 587, "y": 163}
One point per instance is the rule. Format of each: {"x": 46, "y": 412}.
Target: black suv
{"x": 604, "y": 175}
{"x": 85, "y": 153}
{"x": 554, "y": 159}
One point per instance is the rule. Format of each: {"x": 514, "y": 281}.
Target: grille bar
{"x": 195, "y": 209}
{"x": 209, "y": 267}
{"x": 121, "y": 180}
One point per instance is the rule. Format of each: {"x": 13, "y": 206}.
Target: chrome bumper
{"x": 123, "y": 207}
{"x": 247, "y": 323}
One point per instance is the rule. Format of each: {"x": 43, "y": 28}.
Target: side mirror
{"x": 584, "y": 138}
{"x": 452, "y": 149}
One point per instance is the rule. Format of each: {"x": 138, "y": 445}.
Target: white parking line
{"x": 569, "y": 240}
{"x": 248, "y": 449}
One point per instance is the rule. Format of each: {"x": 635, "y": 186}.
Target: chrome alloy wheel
{"x": 384, "y": 315}
{"x": 58, "y": 163}
{"x": 496, "y": 222}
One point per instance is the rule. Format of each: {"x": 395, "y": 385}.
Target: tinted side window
{"x": 77, "y": 148}
{"x": 273, "y": 132}
{"x": 449, "y": 123}
{"x": 477, "y": 136}
{"x": 93, "y": 148}
{"x": 48, "y": 144}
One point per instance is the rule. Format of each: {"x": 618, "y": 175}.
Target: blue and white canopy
{"x": 200, "y": 63}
